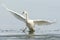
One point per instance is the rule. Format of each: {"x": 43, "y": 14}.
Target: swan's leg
{"x": 24, "y": 29}
{"x": 31, "y": 30}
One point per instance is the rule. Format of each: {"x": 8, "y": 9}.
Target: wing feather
{"x": 43, "y": 22}
{"x": 17, "y": 15}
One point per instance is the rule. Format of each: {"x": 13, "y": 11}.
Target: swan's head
{"x": 25, "y": 13}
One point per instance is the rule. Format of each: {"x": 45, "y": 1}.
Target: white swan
{"x": 30, "y": 23}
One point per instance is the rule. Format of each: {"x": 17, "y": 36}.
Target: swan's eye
{"x": 24, "y": 13}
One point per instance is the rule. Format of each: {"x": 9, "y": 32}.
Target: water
{"x": 39, "y": 34}
{"x": 10, "y": 35}
{"x": 33, "y": 37}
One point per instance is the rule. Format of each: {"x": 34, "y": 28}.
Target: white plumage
{"x": 30, "y": 23}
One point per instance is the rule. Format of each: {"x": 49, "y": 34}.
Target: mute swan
{"x": 30, "y": 23}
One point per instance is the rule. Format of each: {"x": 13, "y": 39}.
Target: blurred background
{"x": 37, "y": 9}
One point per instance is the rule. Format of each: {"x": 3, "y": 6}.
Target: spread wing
{"x": 43, "y": 22}
{"x": 17, "y": 15}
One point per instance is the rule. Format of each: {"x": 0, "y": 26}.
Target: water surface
{"x": 19, "y": 35}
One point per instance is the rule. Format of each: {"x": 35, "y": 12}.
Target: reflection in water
{"x": 30, "y": 34}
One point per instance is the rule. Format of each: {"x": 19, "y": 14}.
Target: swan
{"x": 30, "y": 23}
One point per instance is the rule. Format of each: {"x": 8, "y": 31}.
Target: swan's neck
{"x": 26, "y": 17}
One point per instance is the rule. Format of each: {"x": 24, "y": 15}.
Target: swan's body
{"x": 30, "y": 23}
